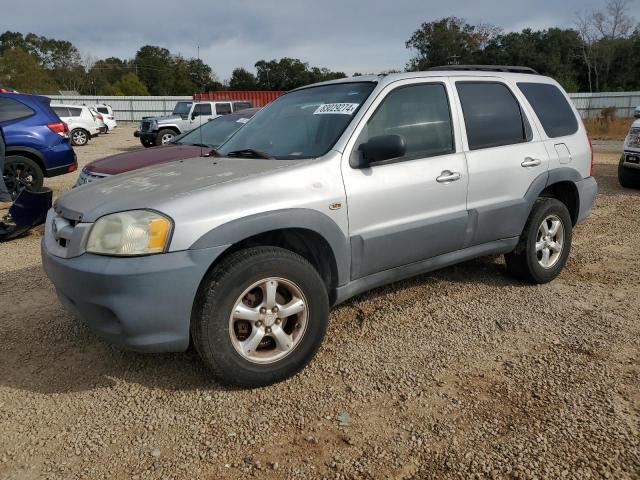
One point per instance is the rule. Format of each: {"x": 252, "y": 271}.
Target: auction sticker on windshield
{"x": 340, "y": 108}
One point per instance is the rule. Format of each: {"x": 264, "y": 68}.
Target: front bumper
{"x": 587, "y": 191}
{"x": 139, "y": 303}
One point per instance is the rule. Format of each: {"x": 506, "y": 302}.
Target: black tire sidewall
{"x": 38, "y": 175}
{"x": 543, "y": 208}
{"x": 628, "y": 177}
{"x": 213, "y": 341}
{"x": 161, "y": 133}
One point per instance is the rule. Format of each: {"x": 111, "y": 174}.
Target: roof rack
{"x": 486, "y": 68}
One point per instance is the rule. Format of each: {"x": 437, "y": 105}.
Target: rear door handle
{"x": 446, "y": 176}
{"x": 531, "y": 162}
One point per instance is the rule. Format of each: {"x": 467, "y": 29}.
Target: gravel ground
{"x": 462, "y": 373}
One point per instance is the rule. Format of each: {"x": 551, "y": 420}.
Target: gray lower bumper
{"x": 587, "y": 190}
{"x": 141, "y": 303}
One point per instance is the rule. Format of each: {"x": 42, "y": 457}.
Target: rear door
{"x": 411, "y": 208}
{"x": 505, "y": 156}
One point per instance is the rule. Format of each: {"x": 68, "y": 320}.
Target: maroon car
{"x": 196, "y": 143}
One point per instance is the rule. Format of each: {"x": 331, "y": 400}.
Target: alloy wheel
{"x": 550, "y": 241}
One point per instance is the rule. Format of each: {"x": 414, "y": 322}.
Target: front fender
{"x": 302, "y": 218}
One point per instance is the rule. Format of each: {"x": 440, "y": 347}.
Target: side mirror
{"x": 193, "y": 116}
{"x": 637, "y": 114}
{"x": 381, "y": 147}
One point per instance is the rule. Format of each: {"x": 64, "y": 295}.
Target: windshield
{"x": 182, "y": 108}
{"x": 215, "y": 132}
{"x": 302, "y": 124}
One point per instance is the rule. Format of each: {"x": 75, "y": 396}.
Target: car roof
{"x": 385, "y": 79}
{"x": 68, "y": 105}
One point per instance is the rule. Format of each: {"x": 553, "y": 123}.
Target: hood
{"x": 144, "y": 157}
{"x": 160, "y": 185}
{"x": 167, "y": 119}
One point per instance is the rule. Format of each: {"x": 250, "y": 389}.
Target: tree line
{"x": 601, "y": 53}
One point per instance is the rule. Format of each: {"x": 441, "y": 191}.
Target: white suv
{"x": 81, "y": 122}
{"x": 108, "y": 115}
{"x": 331, "y": 190}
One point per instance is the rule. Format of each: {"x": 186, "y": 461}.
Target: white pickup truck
{"x": 186, "y": 116}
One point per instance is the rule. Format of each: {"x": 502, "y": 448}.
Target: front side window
{"x": 301, "y": 124}
{"x": 202, "y": 109}
{"x": 492, "y": 115}
{"x": 11, "y": 109}
{"x": 551, "y": 107}
{"x": 418, "y": 113}
{"x": 223, "y": 108}
{"x": 182, "y": 108}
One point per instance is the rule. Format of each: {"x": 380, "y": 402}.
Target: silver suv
{"x": 331, "y": 190}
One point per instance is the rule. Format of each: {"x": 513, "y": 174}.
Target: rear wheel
{"x": 628, "y": 177}
{"x": 260, "y": 316}
{"x": 544, "y": 244}
{"x": 79, "y": 137}
{"x": 22, "y": 172}
{"x": 165, "y": 136}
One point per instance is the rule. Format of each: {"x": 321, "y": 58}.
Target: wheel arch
{"x": 309, "y": 233}
{"x": 173, "y": 128}
{"x": 566, "y": 192}
{"x": 28, "y": 153}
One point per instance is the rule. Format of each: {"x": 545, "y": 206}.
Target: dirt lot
{"x": 462, "y": 373}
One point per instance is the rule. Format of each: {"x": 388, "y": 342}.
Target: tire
{"x": 146, "y": 143}
{"x": 526, "y": 261}
{"x": 628, "y": 177}
{"x": 165, "y": 136}
{"x": 220, "y": 338}
{"x": 22, "y": 172}
{"x": 79, "y": 137}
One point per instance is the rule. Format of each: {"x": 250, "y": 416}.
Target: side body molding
{"x": 299, "y": 218}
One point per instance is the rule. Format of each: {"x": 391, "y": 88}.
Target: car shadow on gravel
{"x": 45, "y": 350}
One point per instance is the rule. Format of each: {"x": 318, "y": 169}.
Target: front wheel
{"x": 260, "y": 316}
{"x": 165, "y": 137}
{"x": 544, "y": 244}
{"x": 628, "y": 177}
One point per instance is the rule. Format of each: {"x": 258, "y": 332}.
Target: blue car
{"x": 37, "y": 141}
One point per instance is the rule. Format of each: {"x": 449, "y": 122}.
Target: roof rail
{"x": 485, "y": 68}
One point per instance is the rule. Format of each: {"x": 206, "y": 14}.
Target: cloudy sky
{"x": 346, "y": 35}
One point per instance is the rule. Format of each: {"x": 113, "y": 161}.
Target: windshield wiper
{"x": 249, "y": 153}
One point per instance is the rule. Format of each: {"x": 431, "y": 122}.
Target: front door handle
{"x": 446, "y": 176}
{"x": 531, "y": 162}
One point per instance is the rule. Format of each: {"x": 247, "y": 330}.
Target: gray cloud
{"x": 347, "y": 35}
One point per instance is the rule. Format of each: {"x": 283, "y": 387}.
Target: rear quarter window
{"x": 551, "y": 107}
{"x": 11, "y": 109}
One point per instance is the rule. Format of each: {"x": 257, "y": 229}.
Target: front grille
{"x": 633, "y": 140}
{"x": 145, "y": 126}
{"x": 65, "y": 237}
{"x": 89, "y": 177}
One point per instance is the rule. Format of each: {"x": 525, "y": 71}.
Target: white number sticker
{"x": 336, "y": 108}
{"x": 242, "y": 120}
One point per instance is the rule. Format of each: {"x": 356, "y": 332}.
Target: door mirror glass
{"x": 381, "y": 147}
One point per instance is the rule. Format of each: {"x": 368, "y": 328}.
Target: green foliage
{"x": 129, "y": 84}
{"x": 242, "y": 79}
{"x": 290, "y": 73}
{"x": 18, "y": 69}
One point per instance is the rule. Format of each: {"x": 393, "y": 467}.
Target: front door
{"x": 411, "y": 208}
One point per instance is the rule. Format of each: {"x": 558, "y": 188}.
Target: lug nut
{"x": 259, "y": 323}
{"x": 268, "y": 329}
{"x": 263, "y": 310}
{"x": 278, "y": 321}
{"x": 274, "y": 309}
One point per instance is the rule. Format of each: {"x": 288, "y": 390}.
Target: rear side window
{"x": 223, "y": 108}
{"x": 61, "y": 111}
{"x": 202, "y": 109}
{"x": 420, "y": 114}
{"x": 75, "y": 112}
{"x": 11, "y": 109}
{"x": 551, "y": 107}
{"x": 492, "y": 115}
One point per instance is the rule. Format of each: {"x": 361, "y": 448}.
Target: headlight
{"x": 138, "y": 232}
